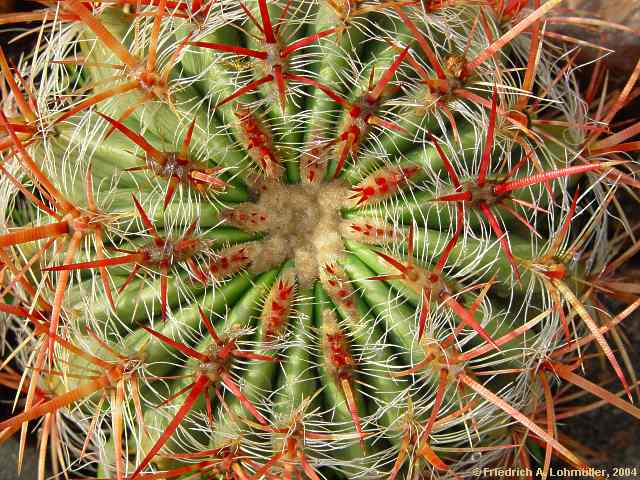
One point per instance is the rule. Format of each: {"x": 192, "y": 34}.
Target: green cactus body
{"x": 305, "y": 239}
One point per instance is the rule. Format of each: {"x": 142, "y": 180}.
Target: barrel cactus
{"x": 305, "y": 238}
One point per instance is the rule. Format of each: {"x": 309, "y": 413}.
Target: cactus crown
{"x": 303, "y": 238}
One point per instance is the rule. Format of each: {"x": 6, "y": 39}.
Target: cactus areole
{"x": 286, "y": 239}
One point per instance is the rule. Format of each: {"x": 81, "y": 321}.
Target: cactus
{"x": 306, "y": 238}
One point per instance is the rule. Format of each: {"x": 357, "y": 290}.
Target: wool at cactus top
{"x": 297, "y": 239}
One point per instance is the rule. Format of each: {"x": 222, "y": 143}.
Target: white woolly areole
{"x": 303, "y": 223}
